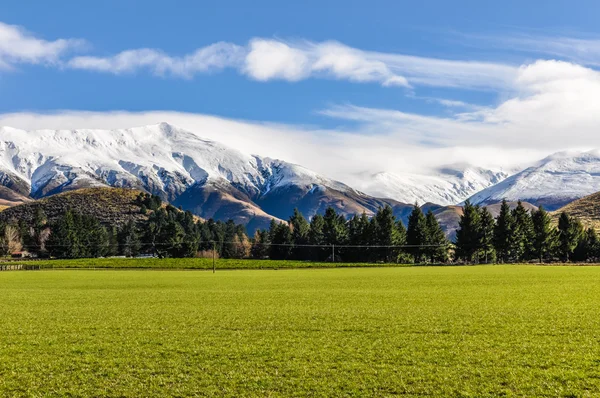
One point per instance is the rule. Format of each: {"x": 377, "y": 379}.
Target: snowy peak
{"x": 552, "y": 182}
{"x": 180, "y": 166}
{"x": 447, "y": 185}
{"x": 160, "y": 158}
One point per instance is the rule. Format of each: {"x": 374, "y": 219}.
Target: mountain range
{"x": 216, "y": 181}
{"x": 552, "y": 182}
{"x": 445, "y": 186}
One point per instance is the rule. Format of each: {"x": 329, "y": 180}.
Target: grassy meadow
{"x": 415, "y": 331}
{"x": 192, "y": 263}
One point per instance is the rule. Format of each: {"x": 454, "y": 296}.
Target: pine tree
{"x": 403, "y": 256}
{"x": 300, "y": 230}
{"x": 316, "y": 238}
{"x": 437, "y": 249}
{"x": 64, "y": 241}
{"x": 587, "y": 247}
{"x": 281, "y": 244}
{"x": 36, "y": 235}
{"x": 334, "y": 228}
{"x": 230, "y": 242}
{"x": 522, "y": 234}
{"x": 260, "y": 245}
{"x": 358, "y": 235}
{"x": 468, "y": 233}
{"x": 129, "y": 240}
{"x": 503, "y": 233}
{"x": 569, "y": 231}
{"x": 387, "y": 234}
{"x": 334, "y": 231}
{"x": 486, "y": 234}
{"x": 416, "y": 234}
{"x": 544, "y": 235}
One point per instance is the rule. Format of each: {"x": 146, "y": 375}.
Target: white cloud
{"x": 544, "y": 106}
{"x": 263, "y": 60}
{"x": 579, "y": 48}
{"x": 19, "y": 46}
{"x": 554, "y": 108}
{"x": 269, "y": 59}
{"x": 344, "y": 62}
{"x": 207, "y": 59}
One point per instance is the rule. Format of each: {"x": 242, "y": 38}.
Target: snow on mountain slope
{"x": 552, "y": 182}
{"x": 160, "y": 158}
{"x": 446, "y": 186}
{"x": 209, "y": 178}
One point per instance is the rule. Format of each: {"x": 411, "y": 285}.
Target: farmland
{"x": 191, "y": 263}
{"x": 434, "y": 331}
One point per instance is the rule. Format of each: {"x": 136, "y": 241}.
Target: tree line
{"x": 513, "y": 236}
{"x": 519, "y": 235}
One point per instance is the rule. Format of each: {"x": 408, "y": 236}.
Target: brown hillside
{"x": 112, "y": 206}
{"x": 587, "y": 209}
{"x": 9, "y": 198}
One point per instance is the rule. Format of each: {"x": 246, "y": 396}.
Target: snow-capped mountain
{"x": 203, "y": 176}
{"x": 444, "y": 186}
{"x": 551, "y": 182}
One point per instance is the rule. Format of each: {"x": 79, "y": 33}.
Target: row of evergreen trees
{"x": 519, "y": 235}
{"x": 167, "y": 232}
{"x": 330, "y": 237}
{"x": 514, "y": 236}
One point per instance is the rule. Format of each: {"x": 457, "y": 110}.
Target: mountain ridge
{"x": 180, "y": 166}
{"x": 552, "y": 182}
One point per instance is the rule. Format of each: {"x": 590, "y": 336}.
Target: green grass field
{"x": 191, "y": 263}
{"x": 416, "y": 331}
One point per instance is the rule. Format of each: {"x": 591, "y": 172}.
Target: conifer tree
{"x": 403, "y": 256}
{"x": 358, "y": 235}
{"x": 416, "y": 234}
{"x": 281, "y": 243}
{"x": 64, "y": 241}
{"x": 569, "y": 231}
{"x": 486, "y": 234}
{"x": 387, "y": 234}
{"x": 522, "y": 234}
{"x": 503, "y": 233}
{"x": 437, "y": 249}
{"x": 334, "y": 232}
{"x": 544, "y": 234}
{"x": 316, "y": 238}
{"x": 587, "y": 247}
{"x": 334, "y": 227}
{"x": 129, "y": 240}
{"x": 260, "y": 245}
{"x": 468, "y": 233}
{"x": 300, "y": 229}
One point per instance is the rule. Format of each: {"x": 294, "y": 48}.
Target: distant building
{"x": 21, "y": 254}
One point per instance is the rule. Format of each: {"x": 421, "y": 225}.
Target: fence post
{"x": 333, "y": 253}
{"x": 214, "y": 251}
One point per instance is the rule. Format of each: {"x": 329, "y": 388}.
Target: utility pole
{"x": 214, "y": 254}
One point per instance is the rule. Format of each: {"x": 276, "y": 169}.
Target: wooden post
{"x": 333, "y": 253}
{"x": 214, "y": 253}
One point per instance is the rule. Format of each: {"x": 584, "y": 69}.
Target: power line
{"x": 328, "y": 246}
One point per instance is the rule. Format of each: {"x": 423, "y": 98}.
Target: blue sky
{"x": 396, "y": 77}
